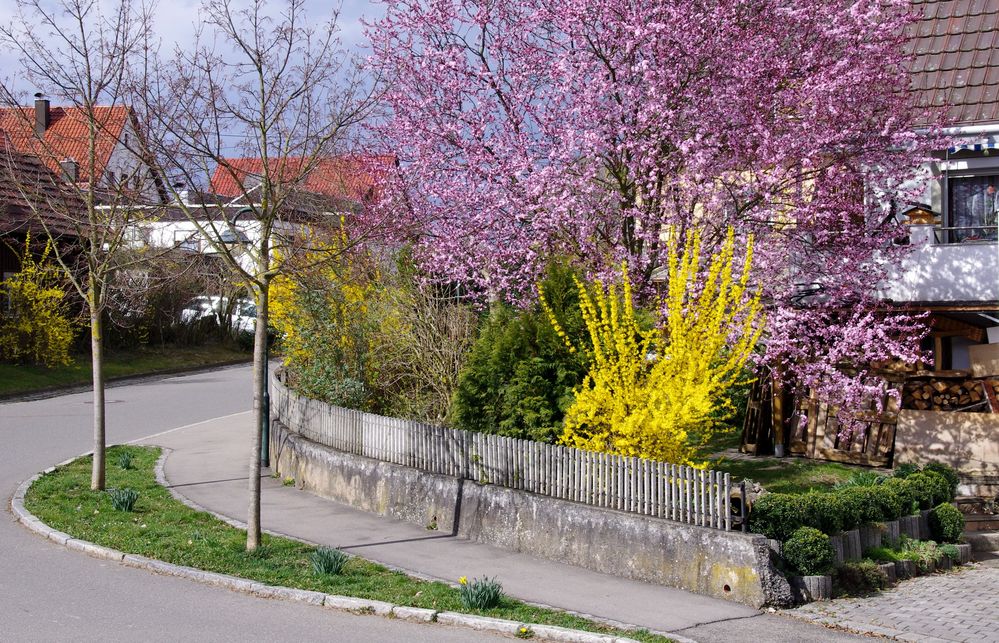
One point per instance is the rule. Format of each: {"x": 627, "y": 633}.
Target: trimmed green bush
{"x": 923, "y": 487}
{"x": 777, "y": 515}
{"x": 903, "y": 494}
{"x": 865, "y": 504}
{"x": 809, "y": 552}
{"x": 826, "y": 512}
{"x": 946, "y": 523}
{"x": 949, "y": 473}
{"x": 941, "y": 486}
{"x": 858, "y": 578}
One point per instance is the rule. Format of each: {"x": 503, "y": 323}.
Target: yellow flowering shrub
{"x": 35, "y": 321}
{"x": 656, "y": 393}
{"x": 320, "y": 312}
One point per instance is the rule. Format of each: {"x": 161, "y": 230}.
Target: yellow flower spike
{"x": 463, "y": 580}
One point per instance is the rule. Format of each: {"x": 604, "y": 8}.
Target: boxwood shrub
{"x": 903, "y": 493}
{"x": 826, "y": 512}
{"x": 867, "y": 504}
{"x": 947, "y": 472}
{"x": 929, "y": 488}
{"x": 946, "y": 523}
{"x": 809, "y": 552}
{"x": 778, "y": 515}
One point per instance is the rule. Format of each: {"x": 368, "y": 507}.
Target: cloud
{"x": 176, "y": 21}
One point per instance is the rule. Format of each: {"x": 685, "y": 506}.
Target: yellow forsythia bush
{"x": 656, "y": 393}
{"x": 35, "y": 322}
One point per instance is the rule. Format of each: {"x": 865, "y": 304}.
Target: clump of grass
{"x": 125, "y": 460}
{"x": 328, "y": 561}
{"x": 479, "y": 593}
{"x": 860, "y": 479}
{"x": 123, "y": 499}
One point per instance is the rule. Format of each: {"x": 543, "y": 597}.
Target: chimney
{"x": 70, "y": 170}
{"x": 41, "y": 114}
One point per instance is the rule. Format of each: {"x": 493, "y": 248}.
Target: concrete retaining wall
{"x": 729, "y": 565}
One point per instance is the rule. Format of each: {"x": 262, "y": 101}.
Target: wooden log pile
{"x": 947, "y": 395}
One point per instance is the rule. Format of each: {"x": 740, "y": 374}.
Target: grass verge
{"x": 161, "y": 527}
{"x": 17, "y": 379}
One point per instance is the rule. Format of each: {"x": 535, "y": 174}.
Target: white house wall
{"x": 124, "y": 162}
{"x": 944, "y": 273}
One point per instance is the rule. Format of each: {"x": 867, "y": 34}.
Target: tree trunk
{"x": 259, "y": 415}
{"x": 97, "y": 366}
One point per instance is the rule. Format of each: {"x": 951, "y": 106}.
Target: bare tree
{"x": 79, "y": 52}
{"x": 271, "y": 85}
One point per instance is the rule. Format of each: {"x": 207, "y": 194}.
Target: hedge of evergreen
{"x": 779, "y": 515}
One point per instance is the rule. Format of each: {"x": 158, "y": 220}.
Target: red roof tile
{"x": 66, "y": 136}
{"x": 354, "y": 178}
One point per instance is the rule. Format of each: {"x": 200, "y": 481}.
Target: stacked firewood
{"x": 946, "y": 395}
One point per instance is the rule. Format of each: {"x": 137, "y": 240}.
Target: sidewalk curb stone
{"x": 346, "y": 603}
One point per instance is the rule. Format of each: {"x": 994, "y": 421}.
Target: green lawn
{"x": 16, "y": 379}
{"x": 787, "y": 475}
{"x": 165, "y": 529}
{"x": 781, "y": 475}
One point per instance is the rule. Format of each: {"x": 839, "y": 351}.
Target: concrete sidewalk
{"x": 208, "y": 465}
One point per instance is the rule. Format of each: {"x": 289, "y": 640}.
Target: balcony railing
{"x": 965, "y": 234}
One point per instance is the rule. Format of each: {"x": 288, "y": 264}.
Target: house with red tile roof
{"x": 60, "y": 138}
{"x": 348, "y": 178}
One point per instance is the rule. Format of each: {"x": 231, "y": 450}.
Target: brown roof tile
{"x": 956, "y": 62}
{"x": 31, "y": 194}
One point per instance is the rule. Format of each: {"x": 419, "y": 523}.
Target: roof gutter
{"x": 963, "y": 130}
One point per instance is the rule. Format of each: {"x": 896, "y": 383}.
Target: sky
{"x": 176, "y": 20}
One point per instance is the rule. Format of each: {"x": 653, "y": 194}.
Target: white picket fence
{"x": 647, "y": 487}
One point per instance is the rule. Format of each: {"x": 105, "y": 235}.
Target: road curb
{"x": 255, "y": 588}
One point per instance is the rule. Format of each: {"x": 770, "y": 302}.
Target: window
{"x": 973, "y": 202}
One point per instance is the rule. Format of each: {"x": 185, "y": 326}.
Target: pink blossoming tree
{"x": 594, "y": 129}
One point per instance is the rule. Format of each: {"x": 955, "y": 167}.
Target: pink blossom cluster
{"x": 593, "y": 130}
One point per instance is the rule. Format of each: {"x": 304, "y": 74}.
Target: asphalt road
{"x": 48, "y": 593}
